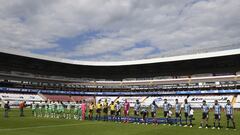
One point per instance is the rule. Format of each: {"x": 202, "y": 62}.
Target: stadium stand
{"x": 80, "y": 98}
{"x": 196, "y": 101}
{"x": 15, "y": 99}
{"x": 20, "y": 97}
{"x": 63, "y": 98}
{"x": 237, "y": 104}
{"x": 66, "y": 98}
{"x": 160, "y": 100}
{"x": 131, "y": 100}
{"x": 108, "y": 98}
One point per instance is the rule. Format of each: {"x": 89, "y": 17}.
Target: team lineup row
{"x": 116, "y": 111}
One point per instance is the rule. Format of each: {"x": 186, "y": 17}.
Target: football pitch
{"x": 28, "y": 125}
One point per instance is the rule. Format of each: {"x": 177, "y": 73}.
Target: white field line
{"x": 47, "y": 126}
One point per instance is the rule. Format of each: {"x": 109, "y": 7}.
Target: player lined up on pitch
{"x": 119, "y": 112}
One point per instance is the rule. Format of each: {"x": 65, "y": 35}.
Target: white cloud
{"x": 137, "y": 53}
{"x": 172, "y": 26}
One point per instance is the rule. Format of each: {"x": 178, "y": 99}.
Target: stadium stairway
{"x": 42, "y": 96}
{"x": 145, "y": 99}
{"x": 234, "y": 100}
{"x": 116, "y": 99}
{"x": 73, "y": 100}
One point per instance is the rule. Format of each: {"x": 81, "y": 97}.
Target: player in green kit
{"x": 69, "y": 112}
{"x": 58, "y": 105}
{"x": 80, "y": 111}
{"x": 46, "y": 109}
{"x": 76, "y": 110}
{"x": 37, "y": 109}
{"x": 62, "y": 110}
{"x": 55, "y": 110}
{"x": 40, "y": 109}
{"x": 87, "y": 113}
{"x": 34, "y": 107}
{"x": 50, "y": 109}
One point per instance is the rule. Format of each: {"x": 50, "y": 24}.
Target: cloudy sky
{"x": 114, "y": 30}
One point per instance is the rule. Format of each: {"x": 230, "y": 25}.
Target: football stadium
{"x": 120, "y": 67}
{"x": 132, "y": 97}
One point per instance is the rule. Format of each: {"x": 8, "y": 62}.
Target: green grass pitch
{"x": 14, "y": 125}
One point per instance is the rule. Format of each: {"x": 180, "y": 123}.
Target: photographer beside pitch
{"x": 6, "y": 109}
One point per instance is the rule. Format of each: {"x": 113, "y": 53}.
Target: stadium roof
{"x": 215, "y": 62}
{"x": 125, "y": 63}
